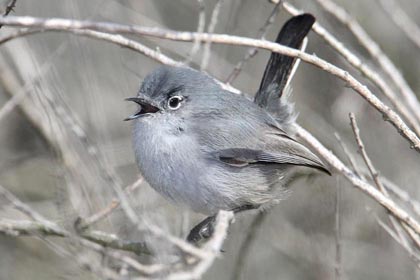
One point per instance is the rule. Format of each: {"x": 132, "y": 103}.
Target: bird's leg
{"x": 202, "y": 231}
{"x": 205, "y": 228}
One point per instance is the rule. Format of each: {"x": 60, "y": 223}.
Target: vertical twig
{"x": 375, "y": 175}
{"x": 200, "y": 29}
{"x": 253, "y": 51}
{"x": 212, "y": 25}
{"x": 375, "y": 51}
{"x": 246, "y": 245}
{"x": 349, "y": 156}
{"x": 338, "y": 268}
{"x": 414, "y": 256}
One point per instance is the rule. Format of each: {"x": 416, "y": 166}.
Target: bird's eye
{"x": 175, "y": 102}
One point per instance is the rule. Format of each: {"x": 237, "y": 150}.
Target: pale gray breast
{"x": 170, "y": 161}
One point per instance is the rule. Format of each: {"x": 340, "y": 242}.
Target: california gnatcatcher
{"x": 208, "y": 148}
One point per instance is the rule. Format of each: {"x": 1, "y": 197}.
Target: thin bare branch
{"x": 376, "y": 52}
{"x": 246, "y": 245}
{"x": 402, "y": 20}
{"x": 25, "y": 227}
{"x": 66, "y": 24}
{"x": 414, "y": 256}
{"x": 253, "y": 51}
{"x": 375, "y": 175}
{"x": 212, "y": 26}
{"x": 211, "y": 247}
{"x": 349, "y": 156}
{"x": 364, "y": 69}
{"x": 115, "y": 204}
{"x": 200, "y": 29}
{"x": 338, "y": 247}
{"x": 364, "y": 186}
{"x": 402, "y": 195}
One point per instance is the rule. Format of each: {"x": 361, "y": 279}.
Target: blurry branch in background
{"x": 338, "y": 267}
{"x": 364, "y": 69}
{"x": 253, "y": 51}
{"x": 402, "y": 20}
{"x": 212, "y": 26}
{"x": 195, "y": 260}
{"x": 414, "y": 256}
{"x": 349, "y": 156}
{"x": 103, "y": 213}
{"x": 249, "y": 240}
{"x": 200, "y": 29}
{"x": 67, "y": 24}
{"x": 198, "y": 261}
{"x": 376, "y": 52}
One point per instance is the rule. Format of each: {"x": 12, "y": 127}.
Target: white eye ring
{"x": 175, "y": 102}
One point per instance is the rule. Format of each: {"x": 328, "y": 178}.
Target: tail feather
{"x": 280, "y": 68}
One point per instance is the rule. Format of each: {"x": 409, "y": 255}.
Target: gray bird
{"x": 200, "y": 145}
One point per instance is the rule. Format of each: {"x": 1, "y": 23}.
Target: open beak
{"x": 146, "y": 108}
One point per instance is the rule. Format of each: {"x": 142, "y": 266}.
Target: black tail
{"x": 279, "y": 67}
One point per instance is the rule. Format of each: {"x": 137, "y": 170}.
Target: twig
{"x": 212, "y": 25}
{"x": 24, "y": 227}
{"x": 24, "y": 208}
{"x": 338, "y": 268}
{"x": 211, "y": 248}
{"x": 349, "y": 156}
{"x": 89, "y": 221}
{"x": 65, "y": 25}
{"x": 375, "y": 51}
{"x": 374, "y": 174}
{"x": 253, "y": 51}
{"x": 402, "y": 195}
{"x": 246, "y": 245}
{"x": 414, "y": 256}
{"x": 364, "y": 186}
{"x": 200, "y": 28}
{"x": 112, "y": 241}
{"x": 364, "y": 69}
{"x": 402, "y": 20}
{"x": 362, "y": 150}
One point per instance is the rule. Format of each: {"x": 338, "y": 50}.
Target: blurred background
{"x": 58, "y": 73}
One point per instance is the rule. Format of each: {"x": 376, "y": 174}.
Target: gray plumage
{"x": 200, "y": 145}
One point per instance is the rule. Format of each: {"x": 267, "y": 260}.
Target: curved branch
{"x": 67, "y": 25}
